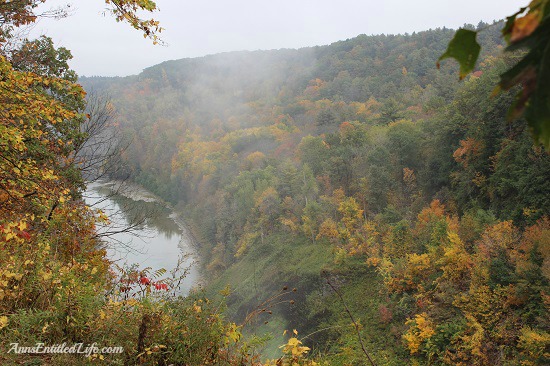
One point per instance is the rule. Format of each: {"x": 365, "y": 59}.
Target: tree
{"x": 314, "y": 152}
{"x": 268, "y": 205}
{"x": 310, "y": 218}
{"x": 36, "y": 136}
{"x": 390, "y": 111}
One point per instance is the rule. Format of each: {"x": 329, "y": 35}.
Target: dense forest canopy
{"x": 362, "y": 164}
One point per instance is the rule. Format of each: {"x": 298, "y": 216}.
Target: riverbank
{"x": 159, "y": 236}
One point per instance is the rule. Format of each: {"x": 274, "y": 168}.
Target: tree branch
{"x": 357, "y": 328}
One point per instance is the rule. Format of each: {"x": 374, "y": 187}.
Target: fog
{"x": 196, "y": 28}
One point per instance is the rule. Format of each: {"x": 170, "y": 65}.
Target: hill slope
{"x": 360, "y": 164}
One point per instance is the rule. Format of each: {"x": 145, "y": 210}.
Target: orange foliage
{"x": 469, "y": 149}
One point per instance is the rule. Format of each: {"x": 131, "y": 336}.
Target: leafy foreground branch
{"x": 527, "y": 30}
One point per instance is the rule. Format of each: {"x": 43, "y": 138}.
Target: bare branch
{"x": 357, "y": 328}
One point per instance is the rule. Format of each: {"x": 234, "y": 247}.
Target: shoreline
{"x": 188, "y": 244}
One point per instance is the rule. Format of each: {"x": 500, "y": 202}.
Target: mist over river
{"x": 157, "y": 237}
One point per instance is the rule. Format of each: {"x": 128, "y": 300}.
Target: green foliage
{"x": 465, "y": 49}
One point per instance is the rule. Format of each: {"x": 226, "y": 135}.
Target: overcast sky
{"x": 193, "y": 28}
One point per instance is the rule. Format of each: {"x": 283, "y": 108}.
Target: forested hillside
{"x": 359, "y": 170}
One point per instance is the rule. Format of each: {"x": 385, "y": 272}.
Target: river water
{"x": 157, "y": 237}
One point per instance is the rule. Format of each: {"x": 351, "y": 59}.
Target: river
{"x": 158, "y": 237}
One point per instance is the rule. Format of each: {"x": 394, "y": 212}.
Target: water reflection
{"x": 157, "y": 237}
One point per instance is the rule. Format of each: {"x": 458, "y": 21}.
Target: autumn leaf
{"x": 524, "y": 26}
{"x": 3, "y": 321}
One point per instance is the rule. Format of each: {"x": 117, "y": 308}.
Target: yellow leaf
{"x": 46, "y": 275}
{"x": 3, "y": 321}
